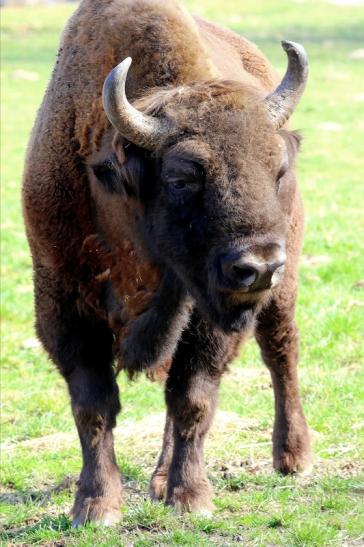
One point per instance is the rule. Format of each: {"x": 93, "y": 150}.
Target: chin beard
{"x": 236, "y": 313}
{"x": 238, "y": 319}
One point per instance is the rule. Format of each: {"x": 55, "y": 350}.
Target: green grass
{"x": 254, "y": 506}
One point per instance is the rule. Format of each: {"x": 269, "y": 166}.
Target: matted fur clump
{"x": 132, "y": 282}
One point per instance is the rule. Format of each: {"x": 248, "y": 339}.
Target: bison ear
{"x": 296, "y": 139}
{"x": 133, "y": 169}
{"x": 122, "y": 178}
{"x": 293, "y": 141}
{"x": 108, "y": 174}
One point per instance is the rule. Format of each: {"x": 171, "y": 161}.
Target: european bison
{"x": 164, "y": 229}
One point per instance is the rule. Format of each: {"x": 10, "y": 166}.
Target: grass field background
{"x": 40, "y": 453}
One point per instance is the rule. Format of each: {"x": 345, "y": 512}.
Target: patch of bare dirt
{"x": 21, "y": 74}
{"x": 146, "y": 433}
{"x": 346, "y": 3}
{"x": 235, "y": 444}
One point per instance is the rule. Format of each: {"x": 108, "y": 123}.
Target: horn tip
{"x": 116, "y": 77}
{"x": 119, "y": 73}
{"x": 128, "y": 60}
{"x": 289, "y": 46}
{"x": 125, "y": 64}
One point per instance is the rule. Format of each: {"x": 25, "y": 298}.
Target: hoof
{"x": 205, "y": 512}
{"x": 192, "y": 500}
{"x": 292, "y": 451}
{"x": 158, "y": 486}
{"x": 289, "y": 462}
{"x": 101, "y": 511}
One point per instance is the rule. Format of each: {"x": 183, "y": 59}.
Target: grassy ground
{"x": 254, "y": 506}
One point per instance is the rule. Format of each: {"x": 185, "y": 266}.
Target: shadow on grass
{"x": 40, "y": 497}
{"x": 60, "y": 523}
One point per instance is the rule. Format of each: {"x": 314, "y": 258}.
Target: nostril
{"x": 245, "y": 274}
{"x": 273, "y": 267}
{"x": 253, "y": 269}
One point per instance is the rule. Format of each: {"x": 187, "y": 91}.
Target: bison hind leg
{"x": 159, "y": 480}
{"x": 101, "y": 510}
{"x": 277, "y": 337}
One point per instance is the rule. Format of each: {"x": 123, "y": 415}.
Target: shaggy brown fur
{"x": 95, "y": 277}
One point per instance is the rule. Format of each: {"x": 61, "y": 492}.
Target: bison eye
{"x": 177, "y": 184}
{"x": 178, "y": 188}
{"x": 182, "y": 179}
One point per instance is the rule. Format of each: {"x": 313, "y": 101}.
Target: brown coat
{"x": 93, "y": 275}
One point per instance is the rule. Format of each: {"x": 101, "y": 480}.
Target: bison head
{"x": 214, "y": 170}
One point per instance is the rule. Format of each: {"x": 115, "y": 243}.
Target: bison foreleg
{"x": 277, "y": 336}
{"x": 191, "y": 394}
{"x": 154, "y": 335}
{"x": 95, "y": 404}
{"x": 82, "y": 351}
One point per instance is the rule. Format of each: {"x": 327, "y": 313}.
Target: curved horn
{"x": 282, "y": 102}
{"x": 141, "y": 129}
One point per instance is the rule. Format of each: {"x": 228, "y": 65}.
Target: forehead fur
{"x": 227, "y": 115}
{"x": 214, "y": 94}
{"x": 227, "y": 128}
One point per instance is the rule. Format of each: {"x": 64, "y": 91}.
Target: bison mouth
{"x": 236, "y": 311}
{"x": 232, "y": 311}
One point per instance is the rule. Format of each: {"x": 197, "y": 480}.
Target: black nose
{"x": 241, "y": 270}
